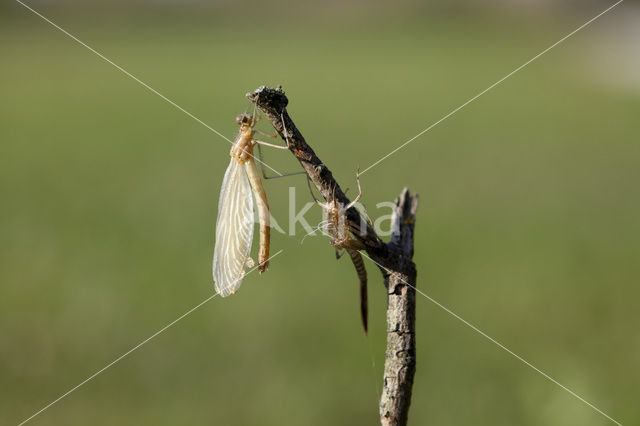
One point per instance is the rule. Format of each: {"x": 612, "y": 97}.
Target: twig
{"x": 394, "y": 258}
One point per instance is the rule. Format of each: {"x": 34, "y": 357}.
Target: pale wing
{"x": 234, "y": 230}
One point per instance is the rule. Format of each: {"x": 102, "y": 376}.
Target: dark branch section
{"x": 273, "y": 103}
{"x": 394, "y": 258}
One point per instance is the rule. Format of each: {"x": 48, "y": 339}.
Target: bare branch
{"x": 394, "y": 258}
{"x": 400, "y": 357}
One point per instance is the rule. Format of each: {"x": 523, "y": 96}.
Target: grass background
{"x": 528, "y": 223}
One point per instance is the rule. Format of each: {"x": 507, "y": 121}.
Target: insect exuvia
{"x": 340, "y": 238}
{"x": 234, "y": 225}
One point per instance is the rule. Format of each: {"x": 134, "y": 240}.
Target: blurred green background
{"x": 528, "y": 225}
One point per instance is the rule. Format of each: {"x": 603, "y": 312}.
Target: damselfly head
{"x": 245, "y": 120}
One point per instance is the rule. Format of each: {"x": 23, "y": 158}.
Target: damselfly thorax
{"x": 242, "y": 148}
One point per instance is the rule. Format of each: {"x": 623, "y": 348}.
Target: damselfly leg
{"x": 260, "y": 143}
{"x": 264, "y": 173}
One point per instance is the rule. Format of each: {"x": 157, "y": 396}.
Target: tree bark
{"x": 394, "y": 259}
{"x": 400, "y": 356}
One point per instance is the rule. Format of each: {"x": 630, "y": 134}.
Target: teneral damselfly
{"x": 234, "y": 225}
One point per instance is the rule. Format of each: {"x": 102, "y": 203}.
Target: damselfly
{"x": 234, "y": 225}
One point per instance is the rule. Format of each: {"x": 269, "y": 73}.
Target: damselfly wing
{"x": 234, "y": 230}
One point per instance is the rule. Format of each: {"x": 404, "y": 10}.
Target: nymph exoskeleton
{"x": 335, "y": 225}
